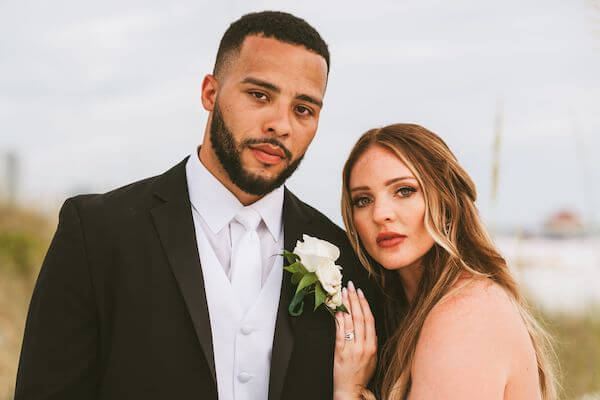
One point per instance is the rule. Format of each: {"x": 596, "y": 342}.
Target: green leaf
{"x": 293, "y": 268}
{"x": 320, "y": 295}
{"x": 296, "y": 267}
{"x": 342, "y": 308}
{"x": 297, "y": 304}
{"x": 307, "y": 280}
{"x": 296, "y": 277}
{"x": 290, "y": 257}
{"x": 301, "y": 268}
{"x": 289, "y": 269}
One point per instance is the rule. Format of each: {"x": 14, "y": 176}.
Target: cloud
{"x": 98, "y": 94}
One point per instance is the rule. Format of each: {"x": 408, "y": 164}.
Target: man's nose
{"x": 279, "y": 121}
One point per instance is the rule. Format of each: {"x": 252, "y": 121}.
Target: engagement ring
{"x": 349, "y": 335}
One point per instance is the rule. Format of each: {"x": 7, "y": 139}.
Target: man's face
{"x": 266, "y": 112}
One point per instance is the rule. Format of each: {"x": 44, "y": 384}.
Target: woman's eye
{"x": 361, "y": 202}
{"x": 406, "y": 191}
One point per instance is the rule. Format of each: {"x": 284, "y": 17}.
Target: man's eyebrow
{"x": 310, "y": 99}
{"x": 387, "y": 183}
{"x": 276, "y": 89}
{"x": 261, "y": 83}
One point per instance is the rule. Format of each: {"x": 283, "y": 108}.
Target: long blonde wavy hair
{"x": 461, "y": 245}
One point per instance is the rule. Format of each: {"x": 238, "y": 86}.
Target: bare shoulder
{"x": 469, "y": 342}
{"x": 475, "y": 305}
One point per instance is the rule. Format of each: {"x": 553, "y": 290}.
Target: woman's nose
{"x": 382, "y": 211}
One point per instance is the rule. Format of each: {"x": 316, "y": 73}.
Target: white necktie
{"x": 246, "y": 259}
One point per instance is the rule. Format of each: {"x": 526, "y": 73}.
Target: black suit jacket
{"x": 119, "y": 309}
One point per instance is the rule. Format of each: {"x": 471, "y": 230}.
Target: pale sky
{"x": 94, "y": 95}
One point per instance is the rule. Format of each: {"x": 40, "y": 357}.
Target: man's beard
{"x": 229, "y": 155}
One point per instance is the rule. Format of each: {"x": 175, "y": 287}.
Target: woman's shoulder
{"x": 472, "y": 338}
{"x": 476, "y": 313}
{"x": 476, "y": 302}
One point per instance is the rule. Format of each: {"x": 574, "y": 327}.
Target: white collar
{"x": 218, "y": 206}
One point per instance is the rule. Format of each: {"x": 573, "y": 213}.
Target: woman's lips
{"x": 268, "y": 154}
{"x": 389, "y": 239}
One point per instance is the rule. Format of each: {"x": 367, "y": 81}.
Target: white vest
{"x": 242, "y": 344}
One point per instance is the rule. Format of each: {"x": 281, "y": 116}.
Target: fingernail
{"x": 360, "y": 293}
{"x": 351, "y": 285}
{"x": 344, "y": 291}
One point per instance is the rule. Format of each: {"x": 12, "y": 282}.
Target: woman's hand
{"x": 355, "y": 346}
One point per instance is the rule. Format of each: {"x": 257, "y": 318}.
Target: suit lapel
{"x": 175, "y": 227}
{"x": 294, "y": 225}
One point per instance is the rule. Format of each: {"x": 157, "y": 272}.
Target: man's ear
{"x": 209, "y": 92}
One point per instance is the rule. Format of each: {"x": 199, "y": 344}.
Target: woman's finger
{"x": 339, "y": 332}
{"x": 370, "y": 333}
{"x": 357, "y": 315}
{"x": 348, "y": 325}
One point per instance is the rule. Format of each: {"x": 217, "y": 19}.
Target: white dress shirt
{"x": 242, "y": 338}
{"x": 214, "y": 207}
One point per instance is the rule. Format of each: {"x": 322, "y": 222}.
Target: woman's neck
{"x": 410, "y": 276}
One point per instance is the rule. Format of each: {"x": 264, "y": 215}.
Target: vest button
{"x": 246, "y": 330}
{"x": 244, "y": 377}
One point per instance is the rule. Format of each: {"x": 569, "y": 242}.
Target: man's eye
{"x": 258, "y": 95}
{"x": 406, "y": 191}
{"x": 304, "y": 110}
{"x": 361, "y": 201}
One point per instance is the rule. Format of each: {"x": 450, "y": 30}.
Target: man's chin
{"x": 260, "y": 175}
{"x": 257, "y": 185}
{"x": 256, "y": 178}
{"x": 261, "y": 170}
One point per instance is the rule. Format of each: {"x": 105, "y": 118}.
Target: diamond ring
{"x": 349, "y": 335}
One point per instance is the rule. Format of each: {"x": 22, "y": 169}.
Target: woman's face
{"x": 388, "y": 209}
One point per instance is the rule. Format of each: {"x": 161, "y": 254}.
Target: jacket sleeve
{"x": 59, "y": 354}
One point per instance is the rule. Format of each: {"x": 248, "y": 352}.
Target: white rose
{"x": 330, "y": 277}
{"x": 334, "y": 301}
{"x": 315, "y": 252}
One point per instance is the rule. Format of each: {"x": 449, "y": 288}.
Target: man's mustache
{"x": 271, "y": 141}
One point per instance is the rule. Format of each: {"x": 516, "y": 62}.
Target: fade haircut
{"x": 271, "y": 24}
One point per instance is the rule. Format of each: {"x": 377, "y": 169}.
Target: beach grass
{"x": 577, "y": 344}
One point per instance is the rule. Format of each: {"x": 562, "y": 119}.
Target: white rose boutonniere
{"x": 313, "y": 269}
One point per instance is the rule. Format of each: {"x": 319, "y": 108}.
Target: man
{"x": 162, "y": 289}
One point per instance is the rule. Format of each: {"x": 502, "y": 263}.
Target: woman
{"x": 458, "y": 325}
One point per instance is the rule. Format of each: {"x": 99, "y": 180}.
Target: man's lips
{"x": 268, "y": 153}
{"x": 269, "y": 149}
{"x": 389, "y": 239}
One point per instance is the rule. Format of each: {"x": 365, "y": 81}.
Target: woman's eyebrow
{"x": 359, "y": 188}
{"x": 401, "y": 178}
{"x": 387, "y": 183}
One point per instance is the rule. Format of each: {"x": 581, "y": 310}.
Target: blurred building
{"x": 564, "y": 224}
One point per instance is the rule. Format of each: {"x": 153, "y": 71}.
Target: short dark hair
{"x": 272, "y": 24}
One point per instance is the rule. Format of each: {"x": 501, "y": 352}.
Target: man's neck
{"x": 209, "y": 159}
